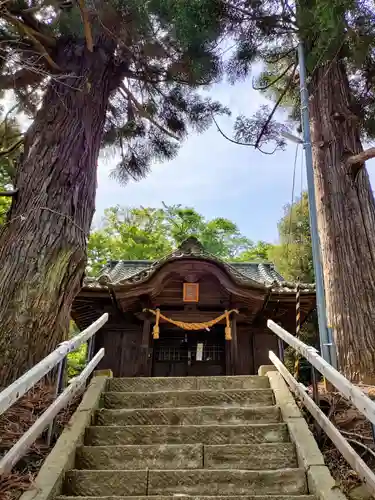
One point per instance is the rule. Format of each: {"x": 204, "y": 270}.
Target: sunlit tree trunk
{"x": 43, "y": 244}
{"x": 346, "y": 220}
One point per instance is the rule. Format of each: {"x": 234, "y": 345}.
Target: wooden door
{"x": 182, "y": 353}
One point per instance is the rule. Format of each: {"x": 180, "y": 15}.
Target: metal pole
{"x": 327, "y": 347}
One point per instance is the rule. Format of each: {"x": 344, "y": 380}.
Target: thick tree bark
{"x": 43, "y": 244}
{"x": 346, "y": 221}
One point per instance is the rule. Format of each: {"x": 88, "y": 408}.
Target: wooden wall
{"x": 122, "y": 349}
{"x": 124, "y": 353}
{"x": 253, "y": 347}
{"x": 263, "y": 342}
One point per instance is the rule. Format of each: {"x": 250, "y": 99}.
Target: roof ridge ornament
{"x": 192, "y": 246}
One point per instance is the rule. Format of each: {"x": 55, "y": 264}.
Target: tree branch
{"x": 362, "y": 157}
{"x": 86, "y": 24}
{"x": 30, "y": 33}
{"x": 239, "y": 143}
{"x": 281, "y": 97}
{"x": 146, "y": 115}
{"x": 275, "y": 80}
{"x": 12, "y": 148}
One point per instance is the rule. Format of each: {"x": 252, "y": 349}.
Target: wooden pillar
{"x": 234, "y": 346}
{"x": 145, "y": 361}
{"x": 251, "y": 348}
{"x": 228, "y": 358}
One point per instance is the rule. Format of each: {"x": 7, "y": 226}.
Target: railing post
{"x": 280, "y": 346}
{"x": 314, "y": 377}
{"x": 90, "y": 349}
{"x": 60, "y": 383}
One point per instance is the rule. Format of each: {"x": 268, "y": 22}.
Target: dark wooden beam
{"x": 145, "y": 358}
{"x": 234, "y": 345}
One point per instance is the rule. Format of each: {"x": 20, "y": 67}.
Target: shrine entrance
{"x": 180, "y": 353}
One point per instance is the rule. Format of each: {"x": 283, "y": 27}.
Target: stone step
{"x": 189, "y": 434}
{"x": 187, "y": 497}
{"x": 265, "y": 456}
{"x": 180, "y": 456}
{"x": 150, "y": 384}
{"x": 184, "y": 482}
{"x": 188, "y": 416}
{"x": 227, "y": 482}
{"x": 181, "y": 399}
{"x": 198, "y": 456}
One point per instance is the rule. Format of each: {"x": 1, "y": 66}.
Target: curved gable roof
{"x": 256, "y": 274}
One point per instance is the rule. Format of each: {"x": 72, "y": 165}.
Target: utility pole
{"x": 327, "y": 347}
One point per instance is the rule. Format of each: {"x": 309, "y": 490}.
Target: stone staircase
{"x": 187, "y": 437}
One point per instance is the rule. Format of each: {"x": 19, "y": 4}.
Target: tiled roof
{"x": 260, "y": 275}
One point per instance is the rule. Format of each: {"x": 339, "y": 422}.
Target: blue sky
{"x": 216, "y": 177}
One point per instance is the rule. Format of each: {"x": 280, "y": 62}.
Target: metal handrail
{"x": 30, "y": 436}
{"x": 27, "y": 381}
{"x": 23, "y": 384}
{"x": 358, "y": 398}
{"x": 351, "y": 456}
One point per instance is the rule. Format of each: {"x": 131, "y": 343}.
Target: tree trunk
{"x": 43, "y": 244}
{"x": 346, "y": 221}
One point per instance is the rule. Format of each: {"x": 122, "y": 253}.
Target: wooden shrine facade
{"x": 190, "y": 286}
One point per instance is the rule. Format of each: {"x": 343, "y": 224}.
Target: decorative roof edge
{"x": 191, "y": 248}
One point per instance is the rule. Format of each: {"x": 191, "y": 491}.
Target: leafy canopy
{"x": 342, "y": 30}
{"x": 161, "y": 53}
{"x": 151, "y": 233}
{"x": 293, "y": 255}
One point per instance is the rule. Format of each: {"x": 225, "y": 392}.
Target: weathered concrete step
{"x": 105, "y": 482}
{"x": 266, "y": 456}
{"x": 227, "y": 482}
{"x": 180, "y": 456}
{"x": 146, "y": 384}
{"x": 197, "y": 456}
{"x": 187, "y": 497}
{"x": 184, "y": 416}
{"x": 189, "y": 434}
{"x": 181, "y": 399}
{"x": 185, "y": 482}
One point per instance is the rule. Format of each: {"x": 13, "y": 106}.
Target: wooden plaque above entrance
{"x": 191, "y": 292}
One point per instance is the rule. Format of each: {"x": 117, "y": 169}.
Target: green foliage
{"x": 256, "y": 253}
{"x": 76, "y": 360}
{"x": 293, "y": 255}
{"x": 151, "y": 233}
{"x": 163, "y": 51}
{"x": 343, "y": 30}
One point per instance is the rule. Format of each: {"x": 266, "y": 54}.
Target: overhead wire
{"x": 292, "y": 200}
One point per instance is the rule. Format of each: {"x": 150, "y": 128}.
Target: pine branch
{"x": 240, "y": 143}
{"x": 145, "y": 114}
{"x": 86, "y": 24}
{"x": 275, "y": 80}
{"x": 30, "y": 33}
{"x": 281, "y": 97}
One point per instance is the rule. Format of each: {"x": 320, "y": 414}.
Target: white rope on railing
{"x": 23, "y": 384}
{"x": 22, "y": 445}
{"x": 350, "y": 455}
{"x": 358, "y": 398}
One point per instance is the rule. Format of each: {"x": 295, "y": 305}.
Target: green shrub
{"x": 76, "y": 361}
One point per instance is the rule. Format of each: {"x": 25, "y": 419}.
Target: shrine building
{"x": 188, "y": 314}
